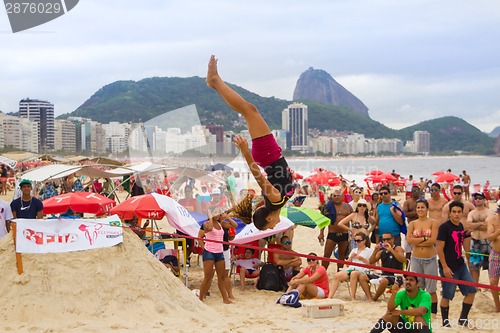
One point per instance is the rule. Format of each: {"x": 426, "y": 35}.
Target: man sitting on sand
{"x": 415, "y": 309}
{"x": 290, "y": 263}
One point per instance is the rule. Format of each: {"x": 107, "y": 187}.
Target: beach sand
{"x": 126, "y": 289}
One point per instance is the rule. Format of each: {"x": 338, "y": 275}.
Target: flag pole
{"x": 19, "y": 258}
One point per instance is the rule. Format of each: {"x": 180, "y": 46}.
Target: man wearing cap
{"x": 415, "y": 309}
{"x": 27, "y": 206}
{"x": 480, "y": 245}
{"x": 493, "y": 234}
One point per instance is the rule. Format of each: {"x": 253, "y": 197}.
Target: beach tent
{"x": 105, "y": 160}
{"x": 7, "y": 161}
{"x": 20, "y": 156}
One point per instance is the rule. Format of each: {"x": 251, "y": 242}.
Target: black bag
{"x": 272, "y": 278}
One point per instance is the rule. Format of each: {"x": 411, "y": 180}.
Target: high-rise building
{"x": 65, "y": 136}
{"x": 42, "y": 113}
{"x": 294, "y": 120}
{"x": 18, "y": 133}
{"x": 422, "y": 142}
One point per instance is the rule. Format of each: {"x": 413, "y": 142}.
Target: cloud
{"x": 418, "y": 59}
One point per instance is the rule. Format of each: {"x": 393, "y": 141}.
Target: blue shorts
{"x": 216, "y": 257}
{"x": 449, "y": 288}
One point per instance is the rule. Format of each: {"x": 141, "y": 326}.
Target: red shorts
{"x": 265, "y": 150}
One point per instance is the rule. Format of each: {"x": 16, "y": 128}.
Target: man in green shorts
{"x": 415, "y": 309}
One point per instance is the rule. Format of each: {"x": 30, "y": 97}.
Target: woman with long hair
{"x": 359, "y": 221}
{"x": 360, "y": 255}
{"x": 422, "y": 234}
{"x": 277, "y": 188}
{"x": 213, "y": 253}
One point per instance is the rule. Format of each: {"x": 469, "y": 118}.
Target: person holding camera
{"x": 391, "y": 256}
{"x": 388, "y": 216}
{"x": 415, "y": 309}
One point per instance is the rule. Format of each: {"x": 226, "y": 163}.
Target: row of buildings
{"x": 36, "y": 130}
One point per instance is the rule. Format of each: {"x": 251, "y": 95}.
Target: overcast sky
{"x": 408, "y": 61}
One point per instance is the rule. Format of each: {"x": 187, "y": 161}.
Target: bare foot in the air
{"x": 212, "y": 75}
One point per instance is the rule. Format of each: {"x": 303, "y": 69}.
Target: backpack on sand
{"x": 290, "y": 299}
{"x": 271, "y": 278}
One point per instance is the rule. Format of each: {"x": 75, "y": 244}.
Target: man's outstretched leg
{"x": 257, "y": 126}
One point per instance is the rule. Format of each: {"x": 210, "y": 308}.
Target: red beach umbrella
{"x": 446, "y": 178}
{"x": 142, "y": 206}
{"x": 376, "y": 179}
{"x": 324, "y": 178}
{"x": 389, "y": 177}
{"x": 82, "y": 202}
{"x": 375, "y": 173}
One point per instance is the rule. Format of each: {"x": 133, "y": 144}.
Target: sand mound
{"x": 118, "y": 288}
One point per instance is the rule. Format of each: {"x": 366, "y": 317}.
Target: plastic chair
{"x": 240, "y": 251}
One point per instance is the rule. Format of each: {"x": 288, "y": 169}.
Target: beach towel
{"x": 403, "y": 227}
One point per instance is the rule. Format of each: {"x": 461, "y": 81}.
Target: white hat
{"x": 363, "y": 202}
{"x": 215, "y": 191}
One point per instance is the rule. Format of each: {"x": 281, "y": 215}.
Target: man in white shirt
{"x": 5, "y": 217}
{"x": 408, "y": 186}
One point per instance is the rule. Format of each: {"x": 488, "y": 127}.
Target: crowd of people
{"x": 426, "y": 234}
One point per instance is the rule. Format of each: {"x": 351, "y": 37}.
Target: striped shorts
{"x": 494, "y": 269}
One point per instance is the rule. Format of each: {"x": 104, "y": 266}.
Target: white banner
{"x": 67, "y": 235}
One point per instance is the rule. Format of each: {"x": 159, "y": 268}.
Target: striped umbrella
{"x": 305, "y": 216}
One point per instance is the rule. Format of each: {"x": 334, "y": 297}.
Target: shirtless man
{"x": 476, "y": 222}
{"x": 291, "y": 263}
{"x": 422, "y": 184}
{"x": 466, "y": 184}
{"x": 468, "y": 207}
{"x": 336, "y": 236}
{"x": 410, "y": 209}
{"x": 436, "y": 203}
{"x": 493, "y": 234}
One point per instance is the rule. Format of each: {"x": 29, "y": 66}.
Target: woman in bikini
{"x": 277, "y": 188}
{"x": 358, "y": 221}
{"x": 421, "y": 235}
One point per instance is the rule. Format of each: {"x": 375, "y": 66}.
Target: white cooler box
{"x": 322, "y": 308}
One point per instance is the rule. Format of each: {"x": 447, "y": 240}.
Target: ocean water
{"x": 480, "y": 169}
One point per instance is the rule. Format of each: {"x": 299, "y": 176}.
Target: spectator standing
{"x": 27, "y": 206}
{"x": 450, "y": 241}
{"x": 388, "y": 217}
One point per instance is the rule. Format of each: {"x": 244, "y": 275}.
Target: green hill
{"x": 133, "y": 101}
{"x": 449, "y": 134}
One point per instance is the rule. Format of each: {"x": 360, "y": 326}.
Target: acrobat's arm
{"x": 267, "y": 188}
